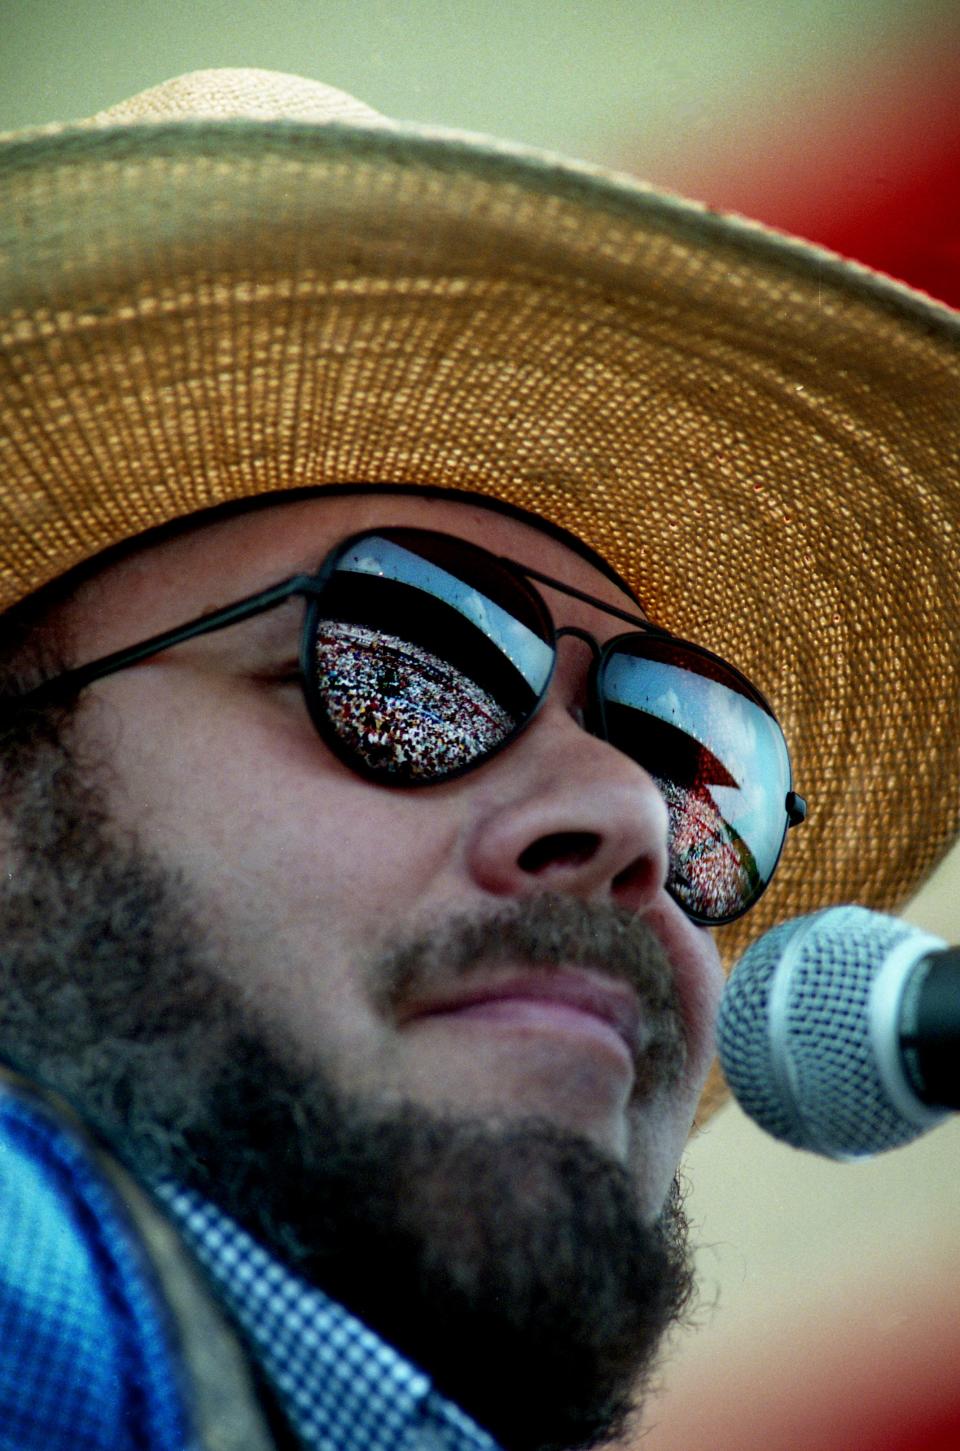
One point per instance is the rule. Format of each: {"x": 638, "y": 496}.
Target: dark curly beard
{"x": 508, "y": 1259}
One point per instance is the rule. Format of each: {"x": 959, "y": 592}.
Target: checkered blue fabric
{"x": 341, "y": 1386}
{"x": 86, "y": 1359}
{"x": 87, "y": 1351}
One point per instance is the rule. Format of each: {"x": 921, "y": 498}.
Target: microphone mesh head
{"x": 835, "y": 1101}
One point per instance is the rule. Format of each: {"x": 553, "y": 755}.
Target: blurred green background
{"x": 576, "y": 76}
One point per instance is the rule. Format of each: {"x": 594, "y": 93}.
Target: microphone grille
{"x": 808, "y": 1072}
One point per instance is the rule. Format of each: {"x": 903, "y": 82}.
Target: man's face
{"x": 308, "y": 875}
{"x": 438, "y": 1047}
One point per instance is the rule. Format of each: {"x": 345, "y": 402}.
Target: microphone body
{"x": 840, "y": 1032}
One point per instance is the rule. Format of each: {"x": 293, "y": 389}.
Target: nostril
{"x": 637, "y": 874}
{"x": 559, "y": 849}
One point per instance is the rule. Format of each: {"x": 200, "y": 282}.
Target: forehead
{"x": 163, "y": 583}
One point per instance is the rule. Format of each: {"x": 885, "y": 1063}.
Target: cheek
{"x": 275, "y": 835}
{"x": 657, "y": 1143}
{"x": 659, "y": 1137}
{"x": 699, "y": 977}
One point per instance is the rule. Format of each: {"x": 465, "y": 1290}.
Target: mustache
{"x": 544, "y": 932}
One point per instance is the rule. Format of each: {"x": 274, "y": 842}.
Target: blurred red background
{"x": 863, "y": 157}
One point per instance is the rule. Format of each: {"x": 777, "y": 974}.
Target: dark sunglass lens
{"x": 719, "y": 758}
{"x": 428, "y": 655}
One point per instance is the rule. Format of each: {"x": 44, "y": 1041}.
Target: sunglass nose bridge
{"x": 583, "y": 635}
{"x": 589, "y": 714}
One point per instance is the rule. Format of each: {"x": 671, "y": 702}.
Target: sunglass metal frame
{"x": 69, "y": 683}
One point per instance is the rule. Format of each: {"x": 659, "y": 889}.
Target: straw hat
{"x": 242, "y": 282}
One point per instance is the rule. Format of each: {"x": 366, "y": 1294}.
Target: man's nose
{"x": 571, "y": 814}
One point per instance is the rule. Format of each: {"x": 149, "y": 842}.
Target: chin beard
{"x": 507, "y": 1258}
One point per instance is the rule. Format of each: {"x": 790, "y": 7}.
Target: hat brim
{"x": 763, "y": 439}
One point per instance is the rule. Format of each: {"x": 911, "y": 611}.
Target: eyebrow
{"x": 271, "y": 629}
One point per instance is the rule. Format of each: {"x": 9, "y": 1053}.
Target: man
{"x": 365, "y": 837}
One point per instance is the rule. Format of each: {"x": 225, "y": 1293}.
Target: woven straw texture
{"x": 763, "y": 440}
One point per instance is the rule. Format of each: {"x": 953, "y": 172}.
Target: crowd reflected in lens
{"x": 712, "y": 870}
{"x": 401, "y": 709}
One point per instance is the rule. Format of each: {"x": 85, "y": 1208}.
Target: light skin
{"x": 306, "y": 872}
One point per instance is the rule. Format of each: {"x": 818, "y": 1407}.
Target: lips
{"x": 560, "y": 1000}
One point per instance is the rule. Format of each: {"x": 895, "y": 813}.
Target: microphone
{"x": 840, "y": 1032}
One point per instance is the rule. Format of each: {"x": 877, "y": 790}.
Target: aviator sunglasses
{"x": 423, "y": 655}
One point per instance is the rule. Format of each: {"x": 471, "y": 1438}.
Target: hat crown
{"x": 239, "y": 93}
